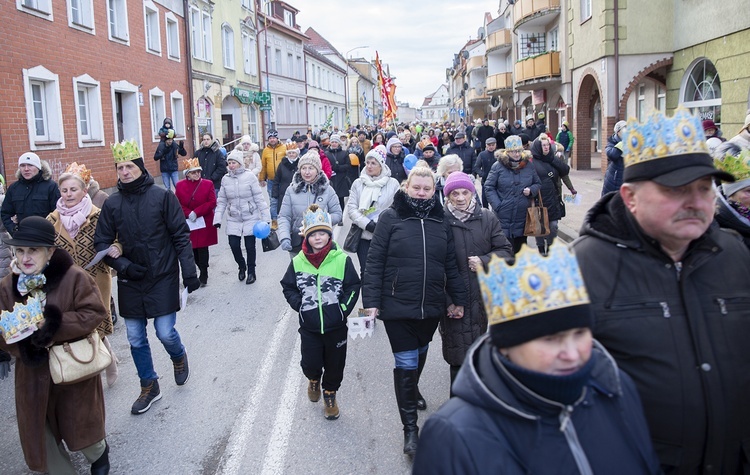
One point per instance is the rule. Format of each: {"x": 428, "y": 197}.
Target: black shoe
{"x": 181, "y": 369}
{"x": 421, "y": 403}
{"x": 250, "y": 279}
{"x": 241, "y": 275}
{"x": 101, "y": 466}
{"x": 149, "y": 394}
{"x": 405, "y": 383}
{"x": 203, "y": 277}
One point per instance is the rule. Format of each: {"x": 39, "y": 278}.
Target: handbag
{"x": 537, "y": 219}
{"x": 75, "y": 361}
{"x": 270, "y": 242}
{"x": 351, "y": 243}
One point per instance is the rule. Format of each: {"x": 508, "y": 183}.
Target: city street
{"x": 245, "y": 408}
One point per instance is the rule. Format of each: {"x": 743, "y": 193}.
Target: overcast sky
{"x": 417, "y": 39}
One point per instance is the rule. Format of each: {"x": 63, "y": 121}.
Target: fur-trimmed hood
{"x": 316, "y": 188}
{"x": 405, "y": 211}
{"x": 45, "y": 173}
{"x": 503, "y": 158}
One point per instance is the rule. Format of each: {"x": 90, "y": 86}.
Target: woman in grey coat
{"x": 242, "y": 197}
{"x": 309, "y": 185}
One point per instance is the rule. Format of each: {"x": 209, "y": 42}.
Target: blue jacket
{"x": 615, "y": 166}
{"x": 495, "y": 425}
{"x": 467, "y": 154}
{"x": 167, "y": 156}
{"x": 505, "y": 193}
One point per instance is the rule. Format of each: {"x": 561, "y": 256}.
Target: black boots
{"x": 405, "y": 383}
{"x": 101, "y": 466}
{"x": 203, "y": 277}
{"x": 421, "y": 403}
{"x": 241, "y": 274}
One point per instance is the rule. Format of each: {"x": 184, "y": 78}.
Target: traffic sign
{"x": 453, "y": 110}
{"x": 461, "y": 112}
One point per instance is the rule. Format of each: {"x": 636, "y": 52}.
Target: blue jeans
{"x": 409, "y": 359}
{"x": 166, "y": 177}
{"x": 274, "y": 201}
{"x": 140, "y": 349}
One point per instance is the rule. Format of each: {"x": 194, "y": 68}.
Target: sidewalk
{"x": 588, "y": 183}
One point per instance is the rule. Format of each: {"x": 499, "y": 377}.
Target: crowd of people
{"x": 621, "y": 354}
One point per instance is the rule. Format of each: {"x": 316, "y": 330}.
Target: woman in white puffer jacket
{"x": 241, "y": 197}
{"x": 250, "y": 155}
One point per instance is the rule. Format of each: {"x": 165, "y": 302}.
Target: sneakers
{"x": 332, "y": 409}
{"x": 181, "y": 369}
{"x": 149, "y": 394}
{"x": 313, "y": 390}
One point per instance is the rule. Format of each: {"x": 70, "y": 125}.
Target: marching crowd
{"x": 621, "y": 354}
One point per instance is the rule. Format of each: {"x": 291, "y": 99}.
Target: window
{"x": 701, "y": 90}
{"x": 227, "y": 46}
{"x": 280, "y": 110}
{"x": 178, "y": 113}
{"x": 300, "y": 68}
{"x": 40, "y": 8}
{"x": 277, "y": 62}
{"x": 292, "y": 111}
{"x": 640, "y": 107}
{"x": 289, "y": 18}
{"x": 200, "y": 32}
{"x": 301, "y": 109}
{"x": 585, "y": 10}
{"x": 117, "y": 16}
{"x": 173, "y": 36}
{"x": 249, "y": 54}
{"x": 203, "y": 116}
{"x": 661, "y": 98}
{"x": 290, "y": 65}
{"x": 268, "y": 8}
{"x": 158, "y": 112}
{"x": 553, "y": 38}
{"x": 531, "y": 44}
{"x": 43, "y": 109}
{"x": 126, "y": 113}
{"x": 252, "y": 123}
{"x": 151, "y": 24}
{"x": 88, "y": 111}
{"x": 248, "y": 4}
{"x": 80, "y": 15}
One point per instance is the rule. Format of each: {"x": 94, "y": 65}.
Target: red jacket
{"x": 199, "y": 196}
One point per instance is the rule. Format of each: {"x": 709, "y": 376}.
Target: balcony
{"x": 535, "y": 12}
{"x": 498, "y": 40}
{"x": 475, "y": 62}
{"x": 499, "y": 82}
{"x": 474, "y": 98}
{"x": 540, "y": 70}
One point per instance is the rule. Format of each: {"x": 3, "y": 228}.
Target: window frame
{"x": 227, "y": 46}
{"x": 170, "y": 21}
{"x": 41, "y": 9}
{"x": 586, "y": 15}
{"x": 248, "y": 5}
{"x": 54, "y": 138}
{"x": 177, "y": 107}
{"x": 120, "y": 21}
{"x": 249, "y": 53}
{"x": 696, "y": 106}
{"x": 156, "y": 98}
{"x": 88, "y": 10}
{"x": 289, "y": 18}
{"x": 152, "y": 39}
{"x": 95, "y": 118}
{"x": 131, "y": 115}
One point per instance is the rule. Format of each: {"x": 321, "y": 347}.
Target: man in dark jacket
{"x": 213, "y": 164}
{"x": 34, "y": 194}
{"x": 613, "y": 150}
{"x": 669, "y": 295}
{"x": 462, "y": 148}
{"x": 483, "y": 133}
{"x": 149, "y": 224}
{"x": 166, "y": 154}
{"x": 485, "y": 160}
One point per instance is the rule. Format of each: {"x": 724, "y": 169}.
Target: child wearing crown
{"x": 322, "y": 285}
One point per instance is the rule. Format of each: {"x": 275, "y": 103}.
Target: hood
{"x": 536, "y": 152}
{"x": 167, "y": 120}
{"x": 503, "y": 158}
{"x": 405, "y": 211}
{"x": 728, "y": 217}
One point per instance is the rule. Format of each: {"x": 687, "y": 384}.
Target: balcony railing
{"x": 475, "y": 62}
{"x": 498, "y": 39}
{"x": 525, "y": 9}
{"x": 472, "y": 96}
{"x": 496, "y": 82}
{"x": 541, "y": 67}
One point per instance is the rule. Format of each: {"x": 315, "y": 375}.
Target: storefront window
{"x": 203, "y": 116}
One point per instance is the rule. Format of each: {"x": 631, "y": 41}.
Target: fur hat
{"x": 316, "y": 219}
{"x": 30, "y": 158}
{"x": 457, "y": 180}
{"x": 310, "y": 158}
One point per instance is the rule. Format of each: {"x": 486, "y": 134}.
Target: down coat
{"x": 550, "y": 170}
{"x": 242, "y": 198}
{"x": 505, "y": 192}
{"x": 342, "y": 168}
{"x": 213, "y": 165}
{"x": 297, "y": 198}
{"x": 411, "y": 264}
{"x": 384, "y": 201}
{"x": 199, "y": 196}
{"x": 481, "y": 236}
{"x": 35, "y": 197}
{"x": 73, "y": 310}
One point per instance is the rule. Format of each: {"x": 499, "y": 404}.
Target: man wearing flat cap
{"x": 670, "y": 298}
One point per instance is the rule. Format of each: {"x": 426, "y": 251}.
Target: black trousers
{"x": 234, "y": 244}
{"x": 324, "y": 355}
{"x": 517, "y": 243}
{"x": 362, "y": 250}
{"x": 201, "y": 257}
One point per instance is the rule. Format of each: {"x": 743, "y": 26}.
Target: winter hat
{"x": 272, "y": 133}
{"x": 739, "y": 167}
{"x": 566, "y": 124}
{"x": 460, "y": 135}
{"x": 316, "y": 219}
{"x": 708, "y": 124}
{"x": 535, "y": 297}
{"x": 529, "y": 117}
{"x": 310, "y": 158}
{"x": 620, "y": 125}
{"x": 313, "y": 144}
{"x": 458, "y": 180}
{"x": 30, "y": 158}
{"x": 391, "y": 142}
{"x": 429, "y": 147}
{"x": 237, "y": 156}
{"x": 378, "y": 153}
{"x": 246, "y": 139}
{"x": 33, "y": 231}
{"x": 490, "y": 141}
{"x": 513, "y": 142}
{"x": 336, "y": 138}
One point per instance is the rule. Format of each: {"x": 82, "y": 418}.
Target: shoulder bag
{"x": 537, "y": 219}
{"x": 75, "y": 361}
{"x": 351, "y": 243}
{"x": 270, "y": 242}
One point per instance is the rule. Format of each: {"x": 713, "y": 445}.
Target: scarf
{"x": 372, "y": 186}
{"x": 316, "y": 258}
{"x": 420, "y": 207}
{"x": 743, "y": 211}
{"x": 463, "y": 215}
{"x": 74, "y": 217}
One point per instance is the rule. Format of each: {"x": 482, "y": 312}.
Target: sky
{"x": 416, "y": 39}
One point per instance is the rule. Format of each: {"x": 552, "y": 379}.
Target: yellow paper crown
{"x": 20, "y": 322}
{"x": 535, "y": 284}
{"x": 80, "y": 170}
{"x": 191, "y": 164}
{"x": 126, "y": 151}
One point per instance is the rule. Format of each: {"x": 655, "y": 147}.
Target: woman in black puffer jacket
{"x": 411, "y": 266}
{"x": 550, "y": 171}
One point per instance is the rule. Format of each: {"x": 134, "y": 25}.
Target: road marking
{"x": 273, "y": 461}
{"x": 234, "y": 453}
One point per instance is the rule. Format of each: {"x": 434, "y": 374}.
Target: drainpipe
{"x": 617, "y": 59}
{"x": 189, "y": 54}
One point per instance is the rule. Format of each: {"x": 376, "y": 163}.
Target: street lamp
{"x": 346, "y": 84}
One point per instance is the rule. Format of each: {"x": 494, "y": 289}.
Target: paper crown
{"x": 534, "y": 285}
{"x": 80, "y": 170}
{"x": 739, "y": 166}
{"x": 513, "y": 143}
{"x": 126, "y": 151}
{"x": 661, "y": 137}
{"x": 19, "y": 323}
{"x": 191, "y": 164}
{"x": 316, "y": 219}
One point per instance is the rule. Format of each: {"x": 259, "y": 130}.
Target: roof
{"x": 310, "y": 50}
{"x": 321, "y": 44}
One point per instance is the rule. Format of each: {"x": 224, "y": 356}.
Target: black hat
{"x": 428, "y": 147}
{"x": 33, "y": 231}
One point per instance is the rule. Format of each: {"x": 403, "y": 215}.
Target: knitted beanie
{"x": 391, "y": 142}
{"x": 310, "y": 158}
{"x": 457, "y": 180}
{"x": 378, "y": 153}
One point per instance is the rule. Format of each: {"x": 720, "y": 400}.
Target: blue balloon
{"x": 261, "y": 230}
{"x": 223, "y": 152}
{"x": 409, "y": 161}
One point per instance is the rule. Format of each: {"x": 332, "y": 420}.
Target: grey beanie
{"x": 732, "y": 188}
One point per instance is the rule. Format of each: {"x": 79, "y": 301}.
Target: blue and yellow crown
{"x": 316, "y": 219}
{"x": 513, "y": 143}
{"x": 661, "y": 137}
{"x": 534, "y": 285}
{"x": 21, "y": 321}
{"x": 126, "y": 151}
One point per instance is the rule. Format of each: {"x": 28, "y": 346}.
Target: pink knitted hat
{"x": 458, "y": 180}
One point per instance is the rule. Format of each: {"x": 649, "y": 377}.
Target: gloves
{"x": 192, "y": 216}
{"x": 371, "y": 226}
{"x": 4, "y": 369}
{"x": 286, "y": 244}
{"x": 191, "y": 284}
{"x": 217, "y": 225}
{"x": 135, "y": 272}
